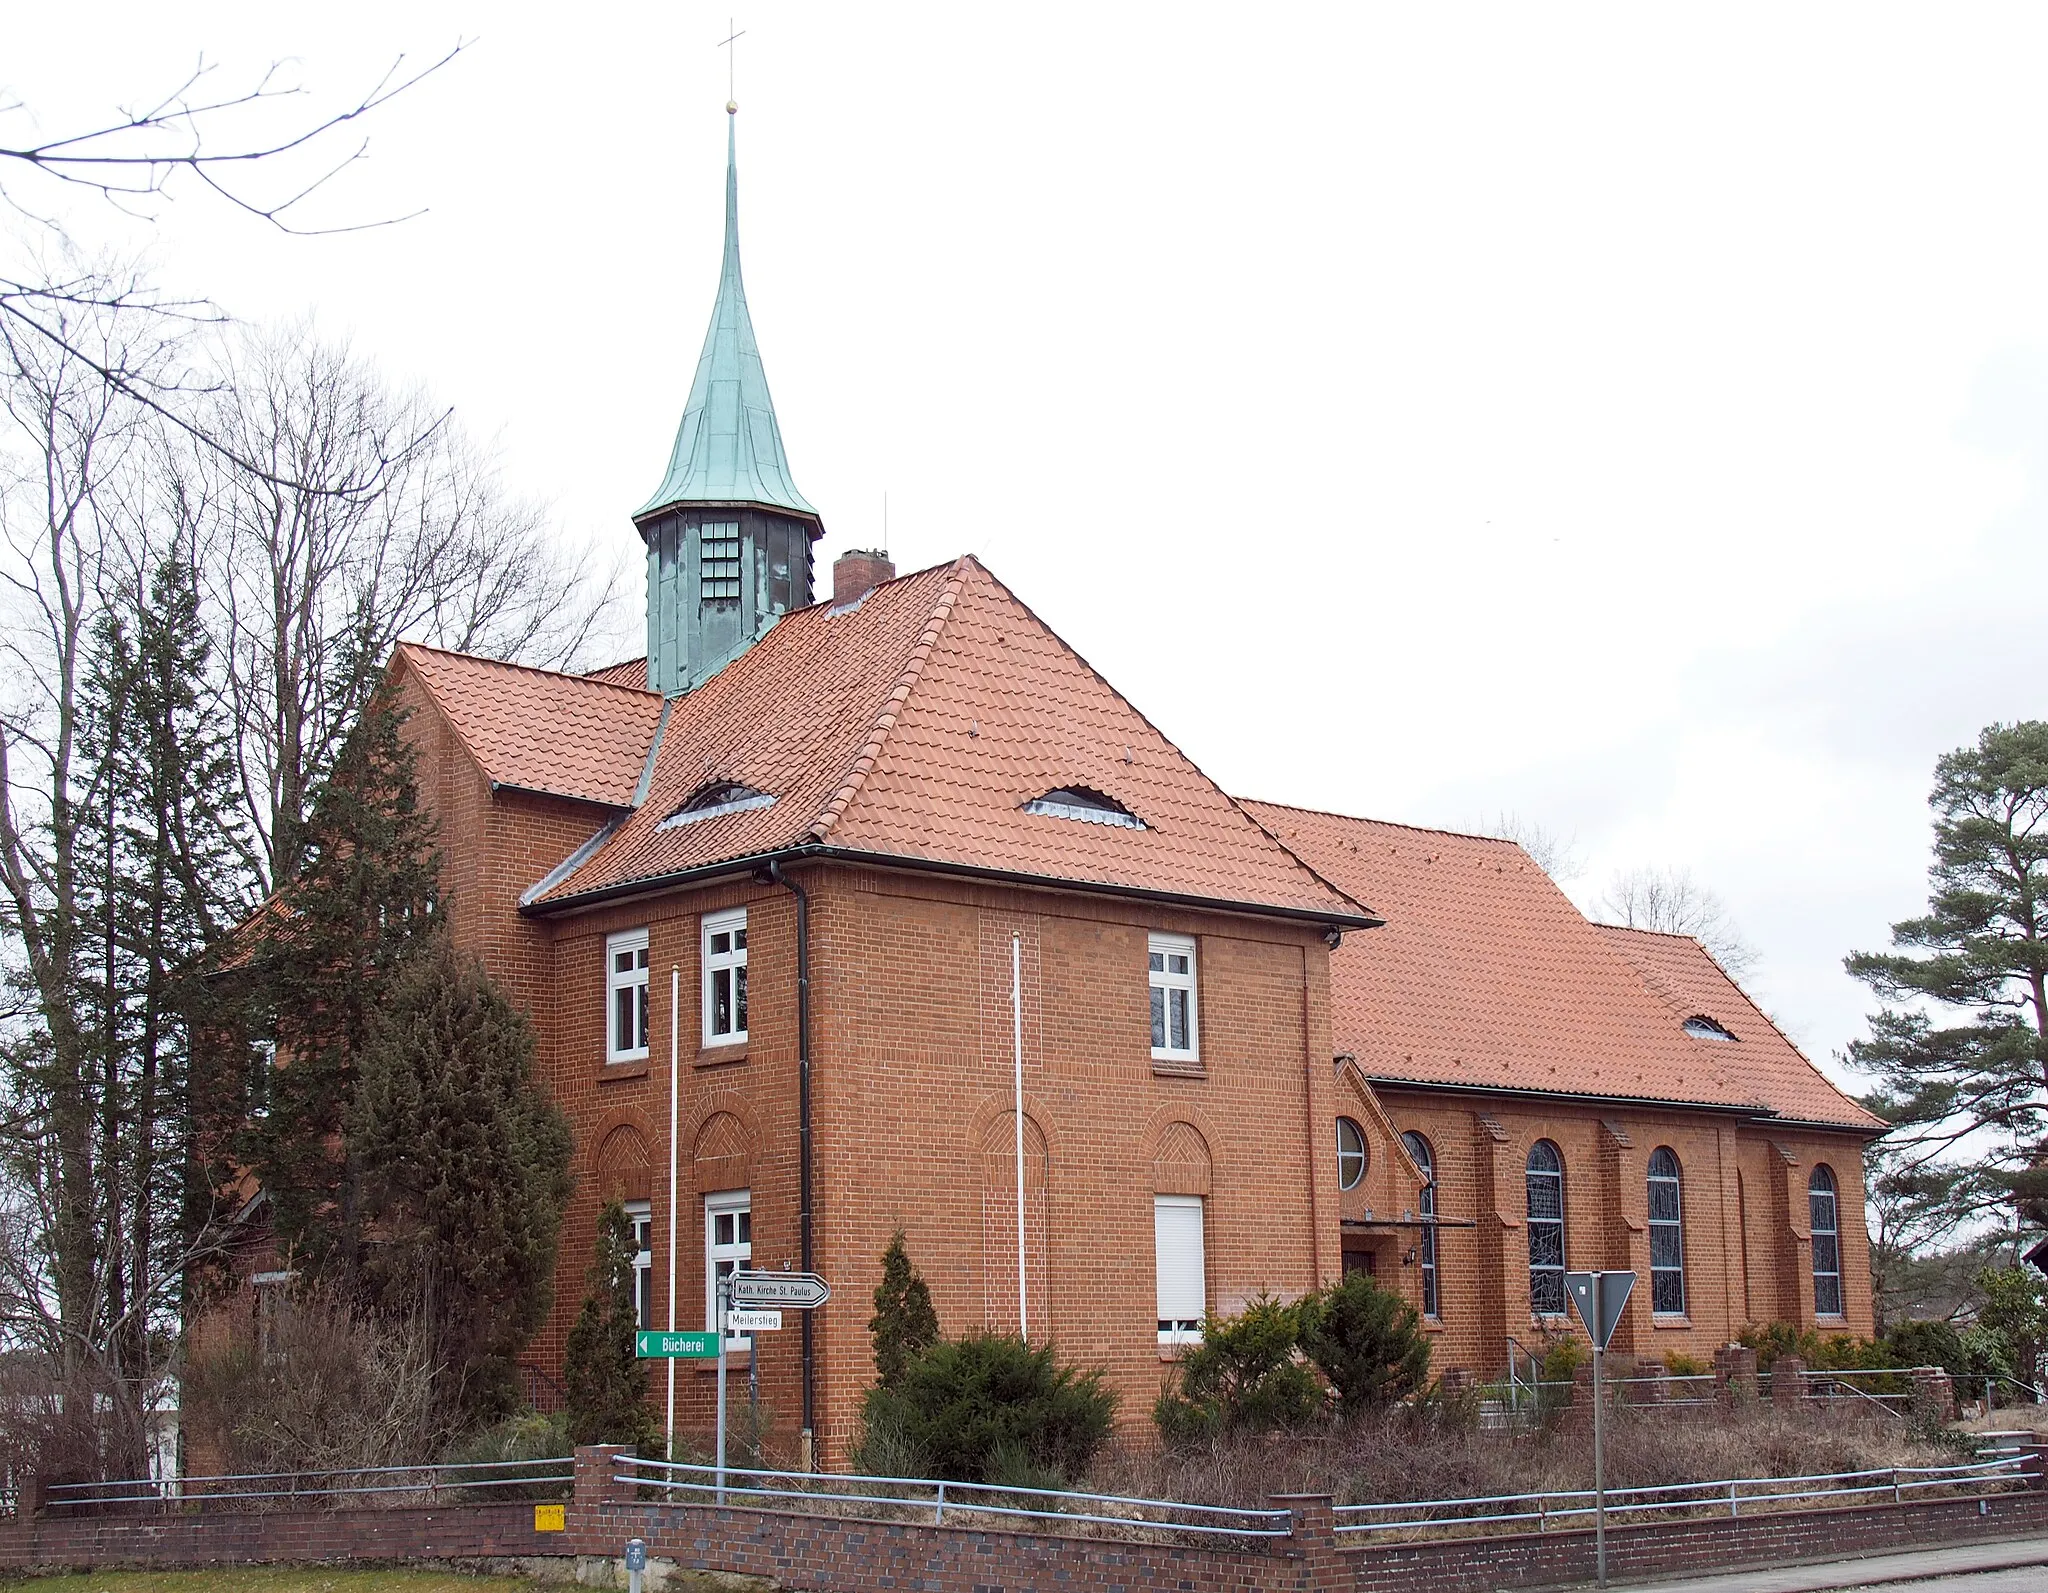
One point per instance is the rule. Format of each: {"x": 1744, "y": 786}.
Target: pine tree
{"x": 362, "y": 908}
{"x": 607, "y": 1389}
{"x": 904, "y": 1324}
{"x": 465, "y": 1174}
{"x": 1968, "y": 1083}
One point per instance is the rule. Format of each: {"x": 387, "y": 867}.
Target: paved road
{"x": 2017, "y": 1566}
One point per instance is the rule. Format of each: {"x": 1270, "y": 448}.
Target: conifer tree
{"x": 904, "y": 1324}
{"x": 465, "y": 1171}
{"x": 1967, "y": 1083}
{"x": 607, "y": 1388}
{"x": 361, "y": 910}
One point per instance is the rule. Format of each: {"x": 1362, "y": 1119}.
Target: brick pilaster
{"x": 1313, "y": 1541}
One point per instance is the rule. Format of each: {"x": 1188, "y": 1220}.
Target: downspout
{"x": 803, "y": 1133}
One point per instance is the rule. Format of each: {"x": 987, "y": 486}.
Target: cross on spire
{"x": 728, "y": 44}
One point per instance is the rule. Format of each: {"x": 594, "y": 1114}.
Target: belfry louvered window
{"x": 1667, "y": 1235}
{"x": 1546, "y": 1229}
{"x": 719, "y": 561}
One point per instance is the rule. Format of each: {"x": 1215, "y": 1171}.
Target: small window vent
{"x": 1702, "y": 1027}
{"x": 714, "y": 800}
{"x": 719, "y": 561}
{"x": 1088, "y": 805}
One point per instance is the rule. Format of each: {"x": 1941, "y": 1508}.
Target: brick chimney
{"x": 859, "y": 571}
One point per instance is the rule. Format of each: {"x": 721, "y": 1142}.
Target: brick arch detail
{"x": 722, "y": 1152}
{"x": 993, "y": 1134}
{"x": 994, "y": 1130}
{"x": 607, "y": 1151}
{"x": 1180, "y": 1160}
{"x": 622, "y": 1165}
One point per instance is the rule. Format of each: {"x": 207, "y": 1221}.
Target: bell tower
{"x": 728, "y": 536}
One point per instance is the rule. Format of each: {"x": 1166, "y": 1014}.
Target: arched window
{"x": 1350, "y": 1153}
{"x": 1418, "y": 1152}
{"x": 1667, "y": 1235}
{"x": 1825, "y": 1213}
{"x": 1546, "y": 1229}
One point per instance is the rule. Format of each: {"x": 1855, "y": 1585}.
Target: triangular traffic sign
{"x": 1599, "y": 1298}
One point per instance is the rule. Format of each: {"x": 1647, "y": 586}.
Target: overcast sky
{"x": 1633, "y": 421}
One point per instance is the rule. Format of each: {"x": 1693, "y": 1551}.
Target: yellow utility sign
{"x": 550, "y": 1518}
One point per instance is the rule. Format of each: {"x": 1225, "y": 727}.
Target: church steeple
{"x": 728, "y": 535}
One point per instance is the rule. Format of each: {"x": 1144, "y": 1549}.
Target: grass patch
{"x": 271, "y": 1579}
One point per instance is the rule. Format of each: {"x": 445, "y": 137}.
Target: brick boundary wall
{"x": 251, "y": 1537}
{"x": 841, "y": 1554}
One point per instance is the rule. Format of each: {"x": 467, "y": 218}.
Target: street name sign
{"x": 1599, "y": 1297}
{"x": 753, "y": 1321}
{"x": 650, "y": 1345}
{"x": 793, "y": 1291}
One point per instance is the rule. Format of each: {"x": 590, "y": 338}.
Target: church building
{"x": 805, "y": 900}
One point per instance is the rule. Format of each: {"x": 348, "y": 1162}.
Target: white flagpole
{"x": 1017, "y": 1044}
{"x": 675, "y": 1021}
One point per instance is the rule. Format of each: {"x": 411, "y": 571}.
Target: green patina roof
{"x": 729, "y": 448}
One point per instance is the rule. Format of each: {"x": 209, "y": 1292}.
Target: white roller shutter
{"x": 1177, "y": 1257}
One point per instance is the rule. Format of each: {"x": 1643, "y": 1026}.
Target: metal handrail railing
{"x": 976, "y": 1498}
{"x": 196, "y": 1490}
{"x": 1544, "y": 1508}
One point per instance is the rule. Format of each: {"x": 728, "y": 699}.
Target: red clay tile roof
{"x": 1692, "y": 984}
{"x": 569, "y": 735}
{"x": 626, "y": 672}
{"x": 916, "y": 724}
{"x": 1486, "y": 975}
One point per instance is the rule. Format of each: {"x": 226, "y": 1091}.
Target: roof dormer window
{"x": 715, "y": 800}
{"x": 1702, "y": 1027}
{"x": 1086, "y": 804}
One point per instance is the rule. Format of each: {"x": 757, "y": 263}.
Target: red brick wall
{"x": 912, "y": 1076}
{"x": 1745, "y": 1255}
{"x": 254, "y": 1537}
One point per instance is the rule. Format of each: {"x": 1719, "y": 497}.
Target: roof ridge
{"x": 528, "y": 669}
{"x": 870, "y": 753}
{"x": 1180, "y": 752}
{"x": 1392, "y": 824}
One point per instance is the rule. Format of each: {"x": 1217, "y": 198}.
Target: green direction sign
{"x": 653, "y": 1346}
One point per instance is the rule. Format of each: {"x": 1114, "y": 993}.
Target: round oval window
{"x": 1350, "y": 1153}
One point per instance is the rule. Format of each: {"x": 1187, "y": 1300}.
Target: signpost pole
{"x": 1599, "y": 1473}
{"x": 675, "y": 1004}
{"x": 724, "y": 1287}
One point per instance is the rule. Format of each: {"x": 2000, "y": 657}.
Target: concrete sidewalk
{"x": 1920, "y": 1565}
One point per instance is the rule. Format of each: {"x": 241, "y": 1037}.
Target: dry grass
{"x": 1399, "y": 1457}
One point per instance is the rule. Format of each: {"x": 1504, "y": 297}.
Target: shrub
{"x": 329, "y": 1389}
{"x": 1366, "y": 1340}
{"x": 2015, "y": 1311}
{"x": 980, "y": 1408}
{"x": 527, "y": 1435}
{"x": 1915, "y": 1343}
{"x": 607, "y": 1389}
{"x": 1562, "y": 1360}
{"x": 904, "y": 1324}
{"x": 1244, "y": 1376}
{"x": 1679, "y": 1364}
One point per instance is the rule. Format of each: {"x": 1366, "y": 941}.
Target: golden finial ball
{"x": 732, "y": 107}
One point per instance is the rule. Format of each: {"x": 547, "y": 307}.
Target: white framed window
{"x": 1425, "y": 1248}
{"x": 640, "y": 1218}
{"x": 1824, "y": 1214}
{"x": 719, "y": 560}
{"x": 1178, "y": 1264}
{"x": 1174, "y": 1032}
{"x": 625, "y": 984}
{"x": 728, "y": 1247}
{"x": 1667, "y": 1234}
{"x": 1546, "y": 1229}
{"x": 725, "y": 977}
{"x": 1350, "y": 1153}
